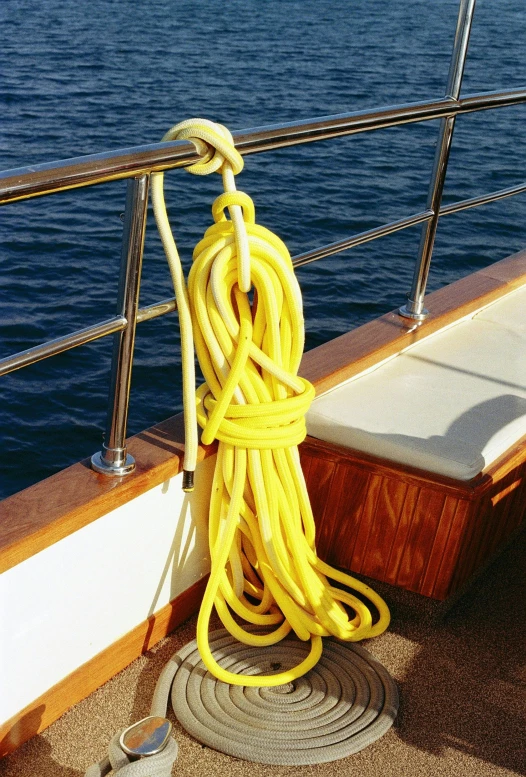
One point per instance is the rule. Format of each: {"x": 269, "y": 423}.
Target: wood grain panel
{"x": 399, "y": 543}
{"x": 79, "y": 684}
{"x": 501, "y": 512}
{"x": 518, "y": 511}
{"x": 305, "y": 461}
{"x": 384, "y": 527}
{"x": 393, "y": 523}
{"x": 447, "y": 578}
{"x": 486, "y": 525}
{"x": 320, "y": 475}
{"x": 509, "y": 270}
{"x": 468, "y": 546}
{"x": 427, "y": 536}
{"x": 335, "y": 500}
{"x": 420, "y": 539}
{"x": 351, "y": 487}
{"x": 511, "y": 499}
{"x": 440, "y": 542}
{"x": 365, "y": 524}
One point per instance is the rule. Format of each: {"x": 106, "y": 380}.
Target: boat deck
{"x": 461, "y": 674}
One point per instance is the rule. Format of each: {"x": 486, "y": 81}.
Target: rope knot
{"x": 219, "y": 155}
{"x": 213, "y": 142}
{"x": 265, "y": 426}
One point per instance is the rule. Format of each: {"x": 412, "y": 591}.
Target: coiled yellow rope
{"x": 262, "y": 536}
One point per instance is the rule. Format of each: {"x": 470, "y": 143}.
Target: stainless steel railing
{"x": 28, "y": 182}
{"x": 136, "y": 164}
{"x": 414, "y": 307}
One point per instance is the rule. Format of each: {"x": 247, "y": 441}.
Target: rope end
{"x": 188, "y": 480}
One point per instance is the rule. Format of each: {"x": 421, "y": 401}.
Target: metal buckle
{"x": 147, "y": 737}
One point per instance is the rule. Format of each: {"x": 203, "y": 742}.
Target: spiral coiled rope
{"x": 341, "y": 706}
{"x": 261, "y": 529}
{"x": 346, "y": 702}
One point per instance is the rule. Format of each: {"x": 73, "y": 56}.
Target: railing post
{"x": 414, "y": 307}
{"x": 114, "y": 459}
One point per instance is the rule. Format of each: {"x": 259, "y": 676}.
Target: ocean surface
{"x": 80, "y": 78}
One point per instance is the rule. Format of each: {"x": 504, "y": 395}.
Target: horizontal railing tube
{"x": 156, "y": 310}
{"x": 490, "y": 100}
{"x": 483, "y": 199}
{"x": 360, "y": 238}
{"x": 61, "y": 344}
{"x": 37, "y": 180}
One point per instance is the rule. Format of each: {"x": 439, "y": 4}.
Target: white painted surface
{"x": 67, "y": 603}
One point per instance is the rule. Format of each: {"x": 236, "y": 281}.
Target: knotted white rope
{"x": 218, "y": 154}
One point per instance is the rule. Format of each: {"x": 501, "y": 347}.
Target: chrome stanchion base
{"x": 100, "y": 464}
{"x": 406, "y": 313}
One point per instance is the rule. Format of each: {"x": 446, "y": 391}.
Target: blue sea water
{"x": 79, "y": 78}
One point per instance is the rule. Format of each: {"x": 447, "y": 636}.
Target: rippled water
{"x": 80, "y": 78}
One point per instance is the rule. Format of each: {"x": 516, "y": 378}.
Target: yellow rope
{"x": 261, "y": 530}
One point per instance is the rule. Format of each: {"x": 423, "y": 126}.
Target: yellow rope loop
{"x": 264, "y": 566}
{"x": 228, "y": 199}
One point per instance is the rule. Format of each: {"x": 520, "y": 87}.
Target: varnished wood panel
{"x": 319, "y": 473}
{"x": 419, "y": 540}
{"x": 440, "y": 551}
{"x": 469, "y": 543}
{"x": 409, "y": 528}
{"x": 509, "y": 270}
{"x": 510, "y": 504}
{"x": 345, "y": 506}
{"x": 399, "y": 543}
{"x": 389, "y": 506}
{"x": 79, "y": 684}
{"x": 365, "y": 524}
{"x": 445, "y": 582}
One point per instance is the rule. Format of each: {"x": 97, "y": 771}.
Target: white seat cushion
{"x": 451, "y": 404}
